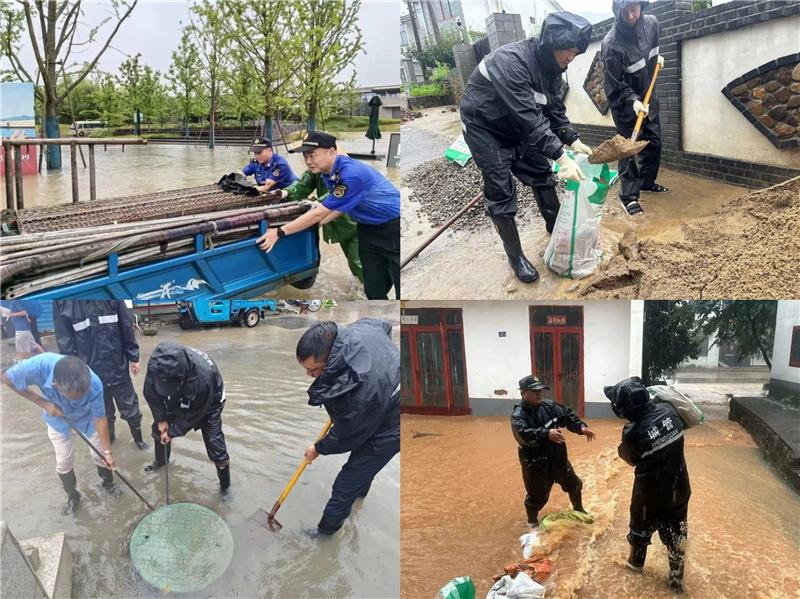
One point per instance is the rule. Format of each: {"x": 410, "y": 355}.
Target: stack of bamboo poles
{"x": 36, "y": 261}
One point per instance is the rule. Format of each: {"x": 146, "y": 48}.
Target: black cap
{"x": 259, "y": 144}
{"x": 314, "y": 140}
{"x": 531, "y": 383}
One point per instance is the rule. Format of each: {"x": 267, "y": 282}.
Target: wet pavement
{"x": 268, "y": 425}
{"x": 744, "y": 519}
{"x": 488, "y": 276}
{"x": 160, "y": 167}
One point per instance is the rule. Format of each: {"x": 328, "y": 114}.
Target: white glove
{"x": 284, "y": 194}
{"x": 660, "y": 61}
{"x": 568, "y": 169}
{"x": 581, "y": 147}
{"x": 639, "y": 107}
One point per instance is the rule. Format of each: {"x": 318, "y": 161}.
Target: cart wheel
{"x": 313, "y": 305}
{"x": 185, "y": 321}
{"x": 251, "y": 318}
{"x": 306, "y": 283}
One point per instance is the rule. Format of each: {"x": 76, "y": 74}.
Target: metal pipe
{"x": 92, "y": 183}
{"x": 9, "y": 182}
{"x": 18, "y": 175}
{"x": 81, "y": 141}
{"x": 73, "y": 162}
{"x": 440, "y": 230}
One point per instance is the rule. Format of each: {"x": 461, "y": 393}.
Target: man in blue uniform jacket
{"x": 367, "y": 196}
{"x": 270, "y": 170}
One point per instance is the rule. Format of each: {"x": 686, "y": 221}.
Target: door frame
{"x": 417, "y": 407}
{"x": 556, "y": 330}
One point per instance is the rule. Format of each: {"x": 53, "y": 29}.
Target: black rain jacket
{"x": 99, "y": 332}
{"x": 531, "y": 425}
{"x": 629, "y": 57}
{"x": 201, "y": 391}
{"x": 360, "y": 389}
{"x": 516, "y": 91}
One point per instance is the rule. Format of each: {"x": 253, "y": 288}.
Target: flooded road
{"x": 691, "y": 200}
{"x": 160, "y": 167}
{"x": 267, "y": 425}
{"x": 744, "y": 519}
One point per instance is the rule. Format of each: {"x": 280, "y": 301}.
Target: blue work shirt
{"x": 362, "y": 192}
{"x": 20, "y": 322}
{"x": 38, "y": 371}
{"x": 277, "y": 170}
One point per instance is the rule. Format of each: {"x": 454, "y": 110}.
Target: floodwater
{"x": 691, "y": 200}
{"x": 159, "y": 167}
{"x": 267, "y": 425}
{"x": 463, "y": 513}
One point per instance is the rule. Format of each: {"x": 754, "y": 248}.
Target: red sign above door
{"x": 557, "y": 320}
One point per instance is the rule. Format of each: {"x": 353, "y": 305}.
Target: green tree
{"x": 750, "y": 325}
{"x": 327, "y": 40}
{"x": 184, "y": 76}
{"x": 209, "y": 32}
{"x": 672, "y": 333}
{"x": 348, "y": 98}
{"x": 52, "y": 34}
{"x": 136, "y": 81}
{"x": 261, "y": 35}
{"x": 109, "y": 100}
{"x": 433, "y": 53}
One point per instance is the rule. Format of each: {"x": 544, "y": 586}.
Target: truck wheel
{"x": 185, "y": 321}
{"x": 251, "y": 318}
{"x": 306, "y": 283}
{"x": 314, "y": 305}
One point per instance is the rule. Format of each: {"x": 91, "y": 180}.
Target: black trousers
{"x": 500, "y": 161}
{"x": 352, "y": 482}
{"x": 539, "y": 477}
{"x": 661, "y": 503}
{"x": 213, "y": 437}
{"x": 124, "y": 396}
{"x": 379, "y": 250}
{"x": 640, "y": 170}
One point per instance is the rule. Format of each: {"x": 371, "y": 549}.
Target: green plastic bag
{"x": 458, "y": 588}
{"x": 458, "y": 152}
{"x": 568, "y": 515}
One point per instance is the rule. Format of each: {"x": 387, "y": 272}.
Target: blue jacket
{"x": 362, "y": 192}
{"x": 277, "y": 170}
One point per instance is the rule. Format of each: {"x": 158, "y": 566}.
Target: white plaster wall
{"x": 497, "y": 363}
{"x": 787, "y": 318}
{"x": 580, "y": 108}
{"x": 476, "y": 12}
{"x": 711, "y": 124}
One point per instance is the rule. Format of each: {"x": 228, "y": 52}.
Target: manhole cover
{"x": 181, "y": 547}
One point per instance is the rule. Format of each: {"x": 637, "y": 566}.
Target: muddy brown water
{"x": 267, "y": 425}
{"x": 159, "y": 167}
{"x": 462, "y": 514}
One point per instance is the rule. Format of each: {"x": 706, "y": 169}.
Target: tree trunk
{"x": 212, "y": 118}
{"x": 51, "y": 132}
{"x": 757, "y": 337}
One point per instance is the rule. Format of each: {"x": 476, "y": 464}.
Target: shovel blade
{"x": 616, "y": 148}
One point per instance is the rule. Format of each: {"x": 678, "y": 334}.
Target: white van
{"x": 82, "y": 128}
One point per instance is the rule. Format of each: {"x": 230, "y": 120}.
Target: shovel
{"x": 272, "y": 523}
{"x": 619, "y": 147}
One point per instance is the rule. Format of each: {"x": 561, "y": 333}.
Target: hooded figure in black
{"x": 184, "y": 390}
{"x": 630, "y": 53}
{"x": 652, "y": 441}
{"x": 100, "y": 332}
{"x": 357, "y": 372}
{"x": 514, "y": 122}
{"x": 536, "y": 424}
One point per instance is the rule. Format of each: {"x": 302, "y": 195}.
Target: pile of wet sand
{"x": 747, "y": 250}
{"x": 442, "y": 188}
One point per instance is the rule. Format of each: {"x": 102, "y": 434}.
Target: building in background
{"x": 785, "y": 376}
{"x": 390, "y": 100}
{"x": 467, "y": 357}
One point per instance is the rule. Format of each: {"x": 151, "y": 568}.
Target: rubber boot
{"x": 363, "y": 493}
{"x": 575, "y": 498}
{"x": 636, "y": 558}
{"x": 547, "y": 201}
{"x": 162, "y": 455}
{"x": 69, "y": 482}
{"x": 136, "y": 433}
{"x": 109, "y": 486}
{"x": 224, "y": 476}
{"x": 675, "y": 580}
{"x": 326, "y": 528}
{"x": 112, "y": 433}
{"x": 523, "y": 269}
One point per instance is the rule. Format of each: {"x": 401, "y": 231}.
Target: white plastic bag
{"x": 521, "y": 587}
{"x": 529, "y": 542}
{"x": 573, "y": 250}
{"x": 689, "y": 413}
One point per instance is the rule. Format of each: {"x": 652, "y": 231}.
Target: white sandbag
{"x": 690, "y": 414}
{"x": 529, "y": 542}
{"x": 525, "y": 587}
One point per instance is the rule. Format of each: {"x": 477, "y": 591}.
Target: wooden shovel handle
{"x": 646, "y": 102}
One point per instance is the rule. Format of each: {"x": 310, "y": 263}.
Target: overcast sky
{"x": 153, "y": 30}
